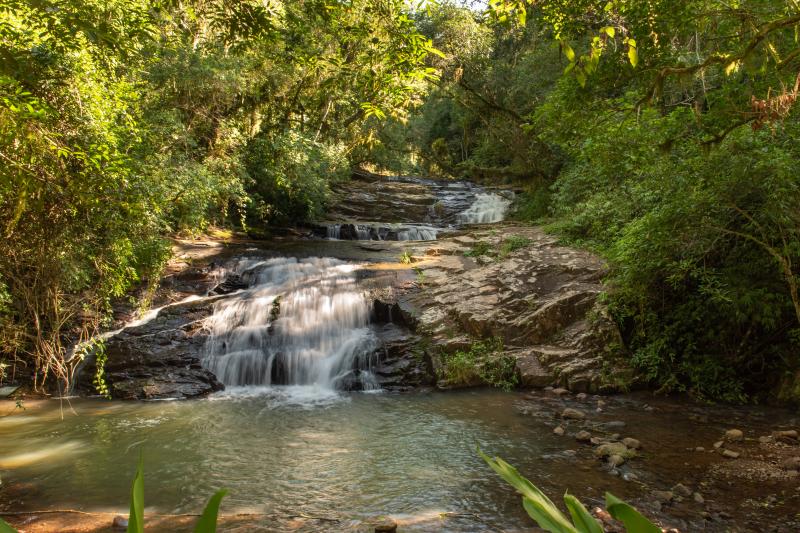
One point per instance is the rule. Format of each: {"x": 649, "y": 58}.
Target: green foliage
{"x": 550, "y": 518}
{"x": 136, "y": 515}
{"x": 208, "y": 520}
{"x": 207, "y": 523}
{"x": 480, "y": 248}
{"x": 100, "y": 357}
{"x": 627, "y": 128}
{"x": 406, "y": 258}
{"x": 484, "y": 362}
{"x": 123, "y": 122}
{"x": 512, "y": 243}
{"x": 5, "y": 528}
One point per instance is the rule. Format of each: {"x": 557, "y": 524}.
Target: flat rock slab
{"x": 8, "y": 390}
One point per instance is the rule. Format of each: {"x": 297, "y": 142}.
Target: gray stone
{"x": 616, "y": 460}
{"x": 631, "y": 443}
{"x": 583, "y": 436}
{"x": 730, "y": 454}
{"x": 698, "y": 498}
{"x": 663, "y": 496}
{"x": 611, "y": 448}
{"x": 559, "y": 431}
{"x": 573, "y": 414}
{"x": 682, "y": 490}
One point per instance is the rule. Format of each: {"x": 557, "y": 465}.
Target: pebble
{"x": 699, "y": 498}
{"x": 765, "y": 439}
{"x": 730, "y": 454}
{"x": 583, "y": 436}
{"x": 559, "y": 431}
{"x": 699, "y": 449}
{"x": 119, "y": 522}
{"x": 597, "y": 441}
{"x": 600, "y": 404}
{"x": 629, "y": 476}
{"x": 734, "y": 435}
{"x": 718, "y": 444}
{"x": 631, "y": 443}
{"x": 581, "y": 396}
{"x": 614, "y": 424}
{"x": 573, "y": 414}
{"x": 663, "y": 496}
{"x": 681, "y": 490}
{"x": 787, "y": 434}
{"x": 560, "y": 391}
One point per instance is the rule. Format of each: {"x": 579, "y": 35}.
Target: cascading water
{"x": 488, "y": 207}
{"x": 299, "y": 322}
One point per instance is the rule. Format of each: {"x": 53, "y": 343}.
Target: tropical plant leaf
{"x": 5, "y": 528}
{"x": 136, "y": 516}
{"x": 633, "y": 520}
{"x": 208, "y": 520}
{"x": 584, "y": 522}
{"x": 535, "y": 502}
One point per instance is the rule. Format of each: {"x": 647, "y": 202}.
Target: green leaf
{"x": 584, "y": 521}
{"x": 580, "y": 75}
{"x": 633, "y": 520}
{"x": 568, "y": 51}
{"x": 535, "y": 502}
{"x": 609, "y": 30}
{"x": 633, "y": 55}
{"x": 5, "y": 528}
{"x": 208, "y": 520}
{"x": 136, "y": 516}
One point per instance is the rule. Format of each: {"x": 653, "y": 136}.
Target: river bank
{"x": 295, "y": 350}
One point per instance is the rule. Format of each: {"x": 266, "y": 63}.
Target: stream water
{"x": 298, "y": 453}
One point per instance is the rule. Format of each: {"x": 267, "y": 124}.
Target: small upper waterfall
{"x": 488, "y": 207}
{"x": 298, "y": 322}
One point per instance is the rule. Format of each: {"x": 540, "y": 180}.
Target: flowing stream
{"x": 299, "y": 322}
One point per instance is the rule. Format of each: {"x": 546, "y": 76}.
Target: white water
{"x": 366, "y": 232}
{"x": 488, "y": 207}
{"x": 300, "y": 322}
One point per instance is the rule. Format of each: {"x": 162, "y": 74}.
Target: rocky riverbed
{"x": 472, "y": 305}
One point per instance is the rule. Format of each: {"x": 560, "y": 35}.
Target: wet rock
{"x": 597, "y": 441}
{"x": 614, "y": 424}
{"x": 698, "y": 498}
{"x": 581, "y": 396}
{"x": 612, "y": 448}
{"x": 385, "y": 525}
{"x": 559, "y": 391}
{"x": 159, "y": 359}
{"x": 786, "y": 435}
{"x": 663, "y": 496}
{"x": 631, "y": 443}
{"x": 766, "y": 439}
{"x": 682, "y": 490}
{"x": 583, "y": 436}
{"x": 573, "y": 414}
{"x": 559, "y": 431}
{"x": 119, "y": 522}
{"x": 792, "y": 463}
{"x": 718, "y": 444}
{"x": 734, "y": 435}
{"x": 630, "y": 476}
{"x": 615, "y": 460}
{"x": 730, "y": 454}
{"x": 699, "y": 449}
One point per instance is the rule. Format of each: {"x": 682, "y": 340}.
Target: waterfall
{"x": 299, "y": 322}
{"x": 488, "y": 207}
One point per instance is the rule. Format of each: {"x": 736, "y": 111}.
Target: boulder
{"x": 573, "y": 414}
{"x": 734, "y": 435}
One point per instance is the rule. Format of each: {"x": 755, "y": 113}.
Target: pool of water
{"x": 287, "y": 452}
